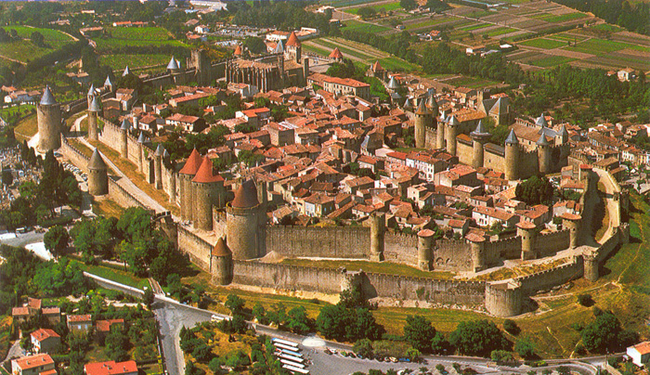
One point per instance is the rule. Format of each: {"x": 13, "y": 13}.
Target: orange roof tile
{"x": 192, "y": 164}
{"x": 336, "y": 54}
{"x": 204, "y": 175}
{"x": 293, "y": 40}
{"x": 238, "y": 50}
{"x": 221, "y": 249}
{"x": 110, "y": 368}
{"x": 34, "y": 361}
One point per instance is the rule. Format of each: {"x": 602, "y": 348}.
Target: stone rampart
{"x": 330, "y": 242}
{"x": 110, "y": 134}
{"x": 547, "y": 279}
{"x": 508, "y": 248}
{"x": 198, "y": 249}
{"x": 401, "y": 248}
{"x": 122, "y": 197}
{"x": 550, "y": 243}
{"x": 424, "y": 289}
{"x": 287, "y": 277}
{"x": 452, "y": 255}
{"x": 464, "y": 151}
{"x": 75, "y": 156}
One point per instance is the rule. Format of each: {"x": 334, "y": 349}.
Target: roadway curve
{"x": 172, "y": 316}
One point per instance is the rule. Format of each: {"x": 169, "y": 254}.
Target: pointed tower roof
{"x": 127, "y": 71}
{"x": 47, "y": 98}
{"x": 221, "y": 249}
{"x": 376, "y": 67}
{"x": 422, "y": 108}
{"x": 96, "y": 161}
{"x": 173, "y": 64}
{"x": 393, "y": 84}
{"x": 238, "y": 51}
{"x": 126, "y": 125}
{"x": 279, "y": 48}
{"x": 564, "y": 132}
{"x": 407, "y": 103}
{"x": 542, "y": 141}
{"x": 512, "y": 138}
{"x": 293, "y": 40}
{"x": 336, "y": 54}
{"x": 94, "y": 105}
{"x": 91, "y": 90}
{"x": 431, "y": 102}
{"x": 204, "y": 175}
{"x": 108, "y": 81}
{"x": 192, "y": 164}
{"x": 541, "y": 121}
{"x": 141, "y": 138}
{"x": 499, "y": 107}
{"x": 166, "y": 154}
{"x": 160, "y": 149}
{"x": 453, "y": 121}
{"x": 246, "y": 195}
{"x": 480, "y": 129}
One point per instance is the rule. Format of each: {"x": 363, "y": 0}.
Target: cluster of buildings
{"x": 46, "y": 342}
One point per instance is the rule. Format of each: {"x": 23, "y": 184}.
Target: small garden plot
{"x": 543, "y": 43}
{"x": 551, "y": 61}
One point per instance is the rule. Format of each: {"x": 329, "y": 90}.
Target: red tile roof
{"x": 204, "y": 175}
{"x": 79, "y": 318}
{"x": 192, "y": 164}
{"x": 105, "y": 325}
{"x": 110, "y": 368}
{"x": 26, "y": 363}
{"x": 336, "y": 54}
{"x": 44, "y": 333}
{"x": 293, "y": 40}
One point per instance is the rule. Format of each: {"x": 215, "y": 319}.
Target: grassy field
{"x": 385, "y": 267}
{"x": 19, "y": 110}
{"x": 379, "y": 8}
{"x": 500, "y": 31}
{"x": 360, "y": 51}
{"x": 599, "y": 46}
{"x": 26, "y": 128}
{"x": 120, "y": 61}
{"x": 107, "y": 207}
{"x": 136, "y": 36}
{"x": 475, "y": 27}
{"x": 429, "y": 22}
{"x": 80, "y": 146}
{"x": 543, "y": 43}
{"x": 566, "y": 17}
{"x": 550, "y": 61}
{"x": 114, "y": 274}
{"x": 364, "y": 27}
{"x": 24, "y": 50}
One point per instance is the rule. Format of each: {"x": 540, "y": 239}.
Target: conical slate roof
{"x": 245, "y": 196}
{"x": 204, "y": 175}
{"x": 499, "y": 107}
{"x": 127, "y": 71}
{"x": 422, "y": 108}
{"x": 221, "y": 249}
{"x": 173, "y": 64}
{"x": 160, "y": 149}
{"x": 141, "y": 138}
{"x": 293, "y": 40}
{"x": 542, "y": 141}
{"x": 47, "y": 98}
{"x": 166, "y": 154}
{"x": 431, "y": 102}
{"x": 336, "y": 54}
{"x": 480, "y": 129}
{"x": 192, "y": 164}
{"x": 96, "y": 161}
{"x": 541, "y": 121}
{"x": 279, "y": 48}
{"x": 564, "y": 132}
{"x": 393, "y": 84}
{"x": 512, "y": 138}
{"x": 91, "y": 90}
{"x": 108, "y": 81}
{"x": 126, "y": 125}
{"x": 94, "y": 105}
{"x": 453, "y": 121}
{"x": 407, "y": 103}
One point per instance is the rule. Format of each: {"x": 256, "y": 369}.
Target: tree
{"x": 7, "y": 177}
{"x": 501, "y": 356}
{"x": 440, "y": 345}
{"x": 525, "y": 348}
{"x": 408, "y": 4}
{"x": 235, "y": 304}
{"x": 298, "y": 321}
{"x": 117, "y": 344}
{"x": 477, "y": 337}
{"x": 511, "y": 327}
{"x": 585, "y": 300}
{"x": 148, "y": 297}
{"x": 367, "y": 12}
{"x": 606, "y": 334}
{"x": 215, "y": 365}
{"x": 38, "y": 39}
{"x": 363, "y": 348}
{"x": 535, "y": 190}
{"x": 56, "y": 240}
{"x": 191, "y": 369}
{"x": 255, "y": 45}
{"x": 419, "y": 332}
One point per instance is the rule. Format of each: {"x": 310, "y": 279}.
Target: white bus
{"x": 282, "y": 346}
{"x": 290, "y": 358}
{"x": 284, "y": 342}
{"x": 294, "y": 369}
{"x": 290, "y": 352}
{"x": 290, "y": 363}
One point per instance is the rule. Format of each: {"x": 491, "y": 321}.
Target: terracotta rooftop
{"x": 221, "y": 248}
{"x": 245, "y": 196}
{"x": 570, "y": 216}
{"x": 204, "y": 175}
{"x": 293, "y": 40}
{"x": 192, "y": 164}
{"x": 473, "y": 237}
{"x": 426, "y": 233}
{"x": 44, "y": 333}
{"x": 110, "y": 368}
{"x": 526, "y": 225}
{"x": 34, "y": 361}
{"x": 238, "y": 51}
{"x": 336, "y": 54}
{"x": 643, "y": 348}
{"x": 105, "y": 325}
{"x": 79, "y": 318}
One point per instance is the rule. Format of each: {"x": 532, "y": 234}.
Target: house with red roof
{"x": 45, "y": 340}
{"x": 40, "y": 364}
{"x": 111, "y": 368}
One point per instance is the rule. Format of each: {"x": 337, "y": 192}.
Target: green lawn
{"x": 475, "y": 27}
{"x": 543, "y": 43}
{"x": 345, "y": 50}
{"x": 606, "y": 27}
{"x": 397, "y": 64}
{"x": 599, "y": 46}
{"x": 320, "y": 51}
{"x": 566, "y": 17}
{"x": 500, "y": 31}
{"x": 19, "y": 110}
{"x": 429, "y": 22}
{"x": 120, "y": 61}
{"x": 136, "y": 36}
{"x": 110, "y": 273}
{"x": 379, "y": 8}
{"x": 26, "y": 128}
{"x": 550, "y": 61}
{"x": 24, "y": 50}
{"x": 364, "y": 27}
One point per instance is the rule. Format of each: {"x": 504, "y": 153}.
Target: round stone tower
{"x": 572, "y": 222}
{"x": 97, "y": 175}
{"x": 544, "y": 154}
{"x": 377, "y": 230}
{"x": 93, "y": 111}
{"x": 591, "y": 266}
{"x": 157, "y": 161}
{"x": 423, "y": 119}
{"x": 221, "y": 266}
{"x": 477, "y": 248}
{"x": 172, "y": 178}
{"x": 124, "y": 138}
{"x": 425, "y": 249}
{"x": 480, "y": 136}
{"x": 527, "y": 231}
{"x": 206, "y": 186}
{"x": 141, "y": 141}
{"x": 185, "y": 175}
{"x": 451, "y": 131}
{"x": 440, "y": 135}
{"x": 245, "y": 220}
{"x": 48, "y": 114}
{"x": 91, "y": 94}
{"x": 503, "y": 299}
{"x": 512, "y": 156}
{"x": 433, "y": 106}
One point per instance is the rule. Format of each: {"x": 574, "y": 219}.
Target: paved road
{"x": 24, "y": 239}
